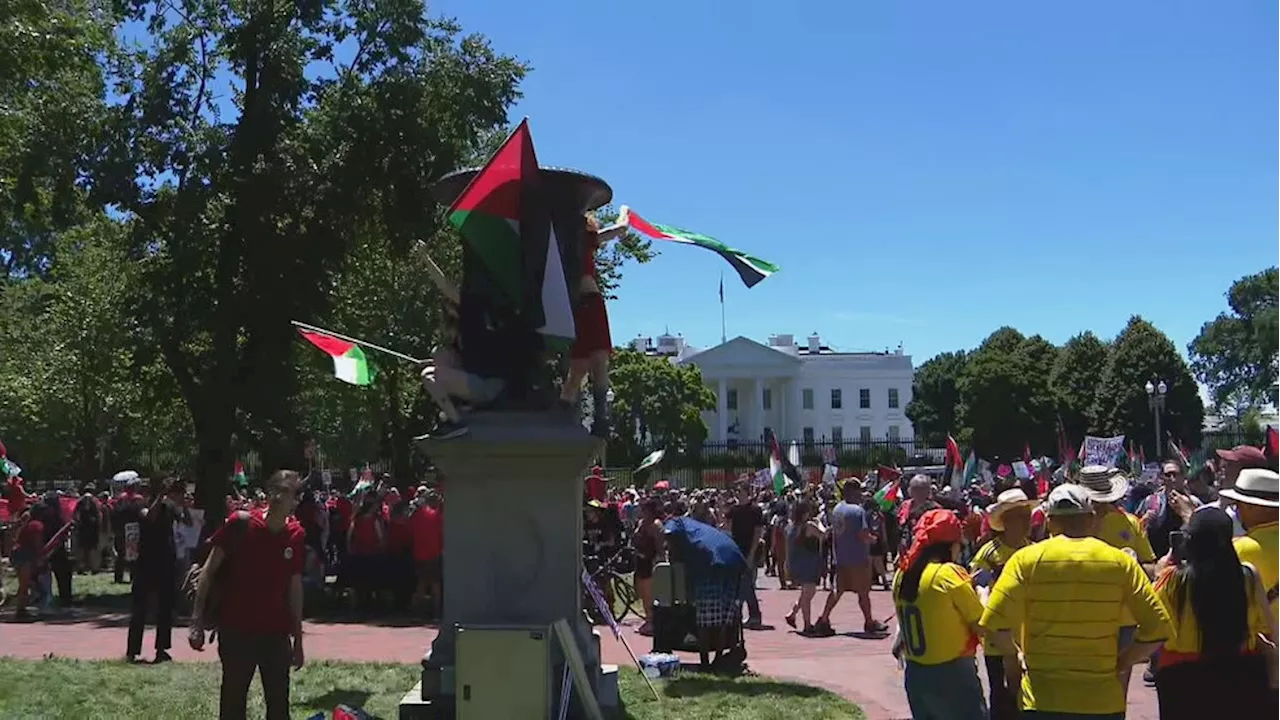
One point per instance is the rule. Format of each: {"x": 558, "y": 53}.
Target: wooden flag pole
{"x": 361, "y": 343}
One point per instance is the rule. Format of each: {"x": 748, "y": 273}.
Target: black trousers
{"x": 164, "y": 586}
{"x": 1003, "y": 704}
{"x": 243, "y": 654}
{"x": 60, "y": 566}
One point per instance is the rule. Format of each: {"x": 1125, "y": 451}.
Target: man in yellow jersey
{"x": 1255, "y": 496}
{"x": 1064, "y": 598}
{"x": 1010, "y": 521}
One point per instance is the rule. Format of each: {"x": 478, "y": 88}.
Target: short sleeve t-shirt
{"x": 849, "y": 522}
{"x": 1064, "y": 598}
{"x": 986, "y": 566}
{"x": 1185, "y": 641}
{"x": 935, "y": 626}
{"x": 1261, "y": 549}
{"x": 256, "y": 596}
{"x": 428, "y": 533}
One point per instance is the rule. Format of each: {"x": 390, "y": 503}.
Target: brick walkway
{"x": 860, "y": 669}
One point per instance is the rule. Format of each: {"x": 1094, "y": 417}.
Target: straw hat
{"x": 1255, "y": 487}
{"x": 1105, "y": 484}
{"x": 1006, "y": 501}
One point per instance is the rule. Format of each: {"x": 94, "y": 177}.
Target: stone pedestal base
{"x": 512, "y": 535}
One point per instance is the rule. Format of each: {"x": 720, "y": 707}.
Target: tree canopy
{"x": 181, "y": 179}
{"x": 1013, "y": 392}
{"x": 656, "y": 404}
{"x": 1236, "y": 353}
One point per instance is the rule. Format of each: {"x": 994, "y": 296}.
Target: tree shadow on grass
{"x": 695, "y": 685}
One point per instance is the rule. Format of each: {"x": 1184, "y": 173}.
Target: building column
{"x": 781, "y": 431}
{"x": 756, "y": 413}
{"x": 722, "y": 412}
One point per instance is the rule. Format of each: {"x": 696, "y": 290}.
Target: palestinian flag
{"x": 887, "y": 496}
{"x": 505, "y": 224}
{"x": 349, "y": 362}
{"x": 238, "y": 475}
{"x": 751, "y": 269}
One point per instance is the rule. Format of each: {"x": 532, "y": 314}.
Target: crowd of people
{"x": 1066, "y": 583}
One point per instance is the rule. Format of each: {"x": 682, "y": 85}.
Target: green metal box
{"x": 503, "y": 673}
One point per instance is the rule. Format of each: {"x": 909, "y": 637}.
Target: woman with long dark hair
{"x": 938, "y": 613}
{"x": 1218, "y": 662}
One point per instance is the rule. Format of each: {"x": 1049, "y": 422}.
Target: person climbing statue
{"x": 592, "y": 345}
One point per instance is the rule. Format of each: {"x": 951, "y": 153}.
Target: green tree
{"x": 242, "y": 221}
{"x": 1142, "y": 354}
{"x": 656, "y": 404}
{"x": 935, "y": 397}
{"x": 1004, "y": 394}
{"x": 52, "y": 90}
{"x": 1074, "y": 380}
{"x": 1236, "y": 353}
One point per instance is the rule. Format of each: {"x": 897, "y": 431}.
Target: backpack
{"x": 238, "y": 525}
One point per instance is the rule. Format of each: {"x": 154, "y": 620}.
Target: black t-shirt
{"x": 156, "y": 548}
{"x": 743, "y": 521}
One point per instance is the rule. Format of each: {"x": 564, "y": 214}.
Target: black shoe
{"x": 823, "y": 628}
{"x": 1149, "y": 676}
{"x": 161, "y": 657}
{"x": 445, "y": 431}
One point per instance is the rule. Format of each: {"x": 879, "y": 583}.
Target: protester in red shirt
{"x": 595, "y": 485}
{"x": 17, "y": 496}
{"x": 400, "y": 552}
{"x": 428, "y": 548}
{"x": 27, "y": 549}
{"x": 260, "y": 614}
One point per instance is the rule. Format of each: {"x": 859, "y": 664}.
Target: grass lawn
{"x": 77, "y": 689}
{"x": 96, "y": 590}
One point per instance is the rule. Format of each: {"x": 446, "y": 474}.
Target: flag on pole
{"x": 751, "y": 269}
{"x": 488, "y": 212}
{"x": 602, "y": 605}
{"x": 500, "y": 215}
{"x": 722, "y": 289}
{"x": 971, "y": 468}
{"x": 238, "y": 474}
{"x": 780, "y": 479}
{"x": 349, "y": 363}
{"x": 887, "y": 496}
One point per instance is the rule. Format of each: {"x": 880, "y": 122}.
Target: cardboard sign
{"x": 1102, "y": 451}
{"x": 132, "y": 535}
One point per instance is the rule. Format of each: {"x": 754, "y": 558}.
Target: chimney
{"x": 815, "y": 343}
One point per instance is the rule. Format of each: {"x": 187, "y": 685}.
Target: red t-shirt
{"x": 30, "y": 537}
{"x": 399, "y": 533}
{"x": 364, "y": 535}
{"x": 16, "y": 495}
{"x": 343, "y": 518}
{"x": 595, "y": 488}
{"x": 256, "y": 598}
{"x": 428, "y": 534}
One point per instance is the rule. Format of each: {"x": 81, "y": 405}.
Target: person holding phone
{"x": 1224, "y": 634}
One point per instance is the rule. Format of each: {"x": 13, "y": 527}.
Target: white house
{"x": 800, "y": 392}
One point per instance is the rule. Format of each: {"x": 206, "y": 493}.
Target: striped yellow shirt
{"x": 1064, "y": 597}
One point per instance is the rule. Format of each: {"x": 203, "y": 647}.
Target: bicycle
{"x": 610, "y": 578}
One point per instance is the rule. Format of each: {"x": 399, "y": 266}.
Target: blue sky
{"x": 923, "y": 172}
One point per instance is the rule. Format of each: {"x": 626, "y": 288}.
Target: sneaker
{"x": 823, "y": 628}
{"x": 754, "y": 623}
{"x": 162, "y": 657}
{"x": 448, "y": 431}
{"x": 875, "y": 627}
{"x": 1149, "y": 676}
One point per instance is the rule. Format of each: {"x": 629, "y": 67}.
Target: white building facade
{"x": 804, "y": 393}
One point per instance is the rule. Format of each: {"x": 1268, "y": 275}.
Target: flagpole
{"x": 723, "y": 336}
{"x": 361, "y": 343}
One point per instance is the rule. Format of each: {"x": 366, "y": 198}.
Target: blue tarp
{"x": 701, "y": 546}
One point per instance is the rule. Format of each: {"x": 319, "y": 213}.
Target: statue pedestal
{"x": 513, "y": 538}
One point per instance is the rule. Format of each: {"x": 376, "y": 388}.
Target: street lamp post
{"x": 1155, "y": 401}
